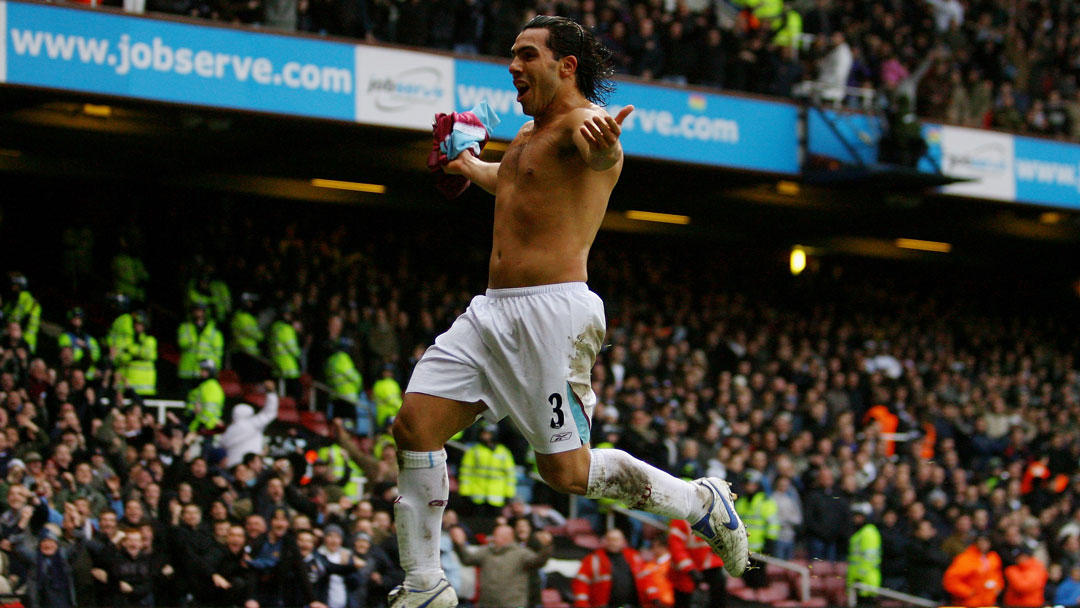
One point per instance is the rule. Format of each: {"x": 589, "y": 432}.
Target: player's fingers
{"x": 594, "y": 130}
{"x": 623, "y": 113}
{"x": 589, "y": 138}
{"x": 613, "y": 125}
{"x": 605, "y": 130}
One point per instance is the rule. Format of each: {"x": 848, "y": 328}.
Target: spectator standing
{"x": 789, "y": 511}
{"x": 387, "y": 395}
{"x": 133, "y": 573}
{"x": 246, "y": 336}
{"x": 332, "y": 549}
{"x": 487, "y": 475}
{"x": 284, "y": 347}
{"x": 233, "y": 580}
{"x": 283, "y": 580}
{"x": 344, "y": 380}
{"x": 926, "y": 562}
{"x": 613, "y": 575}
{"x": 504, "y": 565}
{"x": 864, "y": 552}
{"x": 320, "y": 569}
{"x": 49, "y": 580}
{"x": 199, "y": 339}
{"x": 835, "y": 69}
{"x": 245, "y": 434}
{"x": 975, "y": 578}
{"x": 129, "y": 272}
{"x": 827, "y": 518}
{"x": 1068, "y": 592}
{"x": 694, "y": 563}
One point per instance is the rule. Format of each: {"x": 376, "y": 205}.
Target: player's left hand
{"x": 602, "y": 132}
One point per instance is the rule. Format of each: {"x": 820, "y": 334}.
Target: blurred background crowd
{"x": 1005, "y": 64}
{"x": 936, "y": 406}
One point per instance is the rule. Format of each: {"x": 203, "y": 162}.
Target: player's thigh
{"x": 426, "y": 422}
{"x": 567, "y": 471}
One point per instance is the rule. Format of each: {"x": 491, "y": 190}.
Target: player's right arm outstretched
{"x": 481, "y": 173}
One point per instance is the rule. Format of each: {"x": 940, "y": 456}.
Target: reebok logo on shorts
{"x": 560, "y": 437}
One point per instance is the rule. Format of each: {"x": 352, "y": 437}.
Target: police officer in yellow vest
{"x": 22, "y": 308}
{"x": 387, "y": 395}
{"x": 864, "y": 550}
{"x": 344, "y": 380}
{"x": 129, "y": 273}
{"x": 487, "y": 475}
{"x": 135, "y": 362}
{"x": 212, "y": 292}
{"x": 122, "y": 330}
{"x": 85, "y": 351}
{"x": 206, "y": 402}
{"x": 199, "y": 339}
{"x": 761, "y": 516}
{"x": 787, "y": 30}
{"x": 284, "y": 346}
{"x": 344, "y": 471}
{"x": 246, "y": 335}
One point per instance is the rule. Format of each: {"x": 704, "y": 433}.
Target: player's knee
{"x": 567, "y": 480}
{"x": 407, "y": 429}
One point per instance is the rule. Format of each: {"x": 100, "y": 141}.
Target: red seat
{"x": 230, "y": 383}
{"x": 289, "y": 416}
{"x": 773, "y": 593}
{"x": 815, "y": 602}
{"x": 587, "y": 541}
{"x": 315, "y": 422}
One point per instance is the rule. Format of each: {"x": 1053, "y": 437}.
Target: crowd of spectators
{"x": 788, "y": 383}
{"x": 1005, "y": 64}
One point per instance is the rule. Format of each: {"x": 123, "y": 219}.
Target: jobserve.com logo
{"x": 125, "y": 55}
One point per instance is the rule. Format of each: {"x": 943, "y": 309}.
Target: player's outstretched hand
{"x": 602, "y": 132}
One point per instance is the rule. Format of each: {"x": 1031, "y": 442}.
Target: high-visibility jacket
{"x": 974, "y": 579}
{"x": 689, "y": 553}
{"x": 122, "y": 332}
{"x": 220, "y": 299}
{"x": 85, "y": 356}
{"x": 887, "y": 421}
{"x": 197, "y": 346}
{"x": 135, "y": 362}
{"x": 762, "y": 519}
{"x": 864, "y": 557}
{"x": 128, "y": 273}
{"x": 592, "y": 585}
{"x": 1026, "y": 583}
{"x": 789, "y": 30}
{"x": 25, "y": 311}
{"x": 659, "y": 576}
{"x": 246, "y": 334}
{"x": 487, "y": 475}
{"x": 342, "y": 376}
{"x": 344, "y": 468}
{"x": 768, "y": 9}
{"x": 284, "y": 349}
{"x": 387, "y": 395}
{"x": 210, "y": 398}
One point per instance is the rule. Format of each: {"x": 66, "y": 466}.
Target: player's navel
{"x": 529, "y": 171}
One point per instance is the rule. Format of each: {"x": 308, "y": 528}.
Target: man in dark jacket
{"x": 827, "y": 518}
{"x": 275, "y": 556}
{"x": 894, "y": 551}
{"x": 318, "y": 568}
{"x": 132, "y": 573}
{"x": 233, "y": 580}
{"x": 49, "y": 582}
{"x": 926, "y": 563}
{"x": 193, "y": 551}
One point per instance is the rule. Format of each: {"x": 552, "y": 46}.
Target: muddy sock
{"x": 423, "y": 491}
{"x": 618, "y": 475}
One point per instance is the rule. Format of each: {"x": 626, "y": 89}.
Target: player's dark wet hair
{"x": 594, "y": 69}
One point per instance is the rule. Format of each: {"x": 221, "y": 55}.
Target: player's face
{"x": 535, "y": 70}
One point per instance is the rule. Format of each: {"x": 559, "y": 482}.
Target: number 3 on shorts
{"x": 555, "y": 399}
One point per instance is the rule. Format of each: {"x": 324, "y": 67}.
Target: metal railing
{"x": 854, "y": 588}
{"x": 161, "y": 405}
{"x": 801, "y": 570}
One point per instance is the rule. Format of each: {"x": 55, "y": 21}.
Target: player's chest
{"x": 537, "y": 156}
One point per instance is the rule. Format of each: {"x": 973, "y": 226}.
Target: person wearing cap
{"x": 85, "y": 351}
{"x": 283, "y": 344}
{"x": 135, "y": 362}
{"x": 387, "y": 395}
{"x": 761, "y": 516}
{"x": 199, "y": 339}
{"x": 246, "y": 336}
{"x": 22, "y": 308}
{"x": 1025, "y": 581}
{"x": 206, "y": 402}
{"x": 864, "y": 550}
{"x": 336, "y": 593}
{"x": 487, "y": 475}
{"x": 245, "y": 434}
{"x": 49, "y": 579}
{"x": 975, "y": 577}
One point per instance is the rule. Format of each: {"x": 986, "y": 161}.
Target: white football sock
{"x": 423, "y": 489}
{"x": 618, "y": 475}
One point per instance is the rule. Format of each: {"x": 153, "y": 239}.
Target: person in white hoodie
{"x": 835, "y": 69}
{"x": 245, "y": 434}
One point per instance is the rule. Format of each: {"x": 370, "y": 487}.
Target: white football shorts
{"x": 526, "y": 353}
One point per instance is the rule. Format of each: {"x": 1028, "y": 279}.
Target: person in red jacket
{"x": 693, "y": 564}
{"x": 614, "y": 575}
{"x": 1026, "y": 581}
{"x": 974, "y": 578}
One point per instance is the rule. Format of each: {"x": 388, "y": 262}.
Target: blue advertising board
{"x": 667, "y": 123}
{"x": 101, "y": 52}
{"x": 1047, "y": 172}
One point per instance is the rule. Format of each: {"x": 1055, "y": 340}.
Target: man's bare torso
{"x": 548, "y": 208}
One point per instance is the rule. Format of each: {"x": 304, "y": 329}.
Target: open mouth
{"x": 522, "y": 88}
